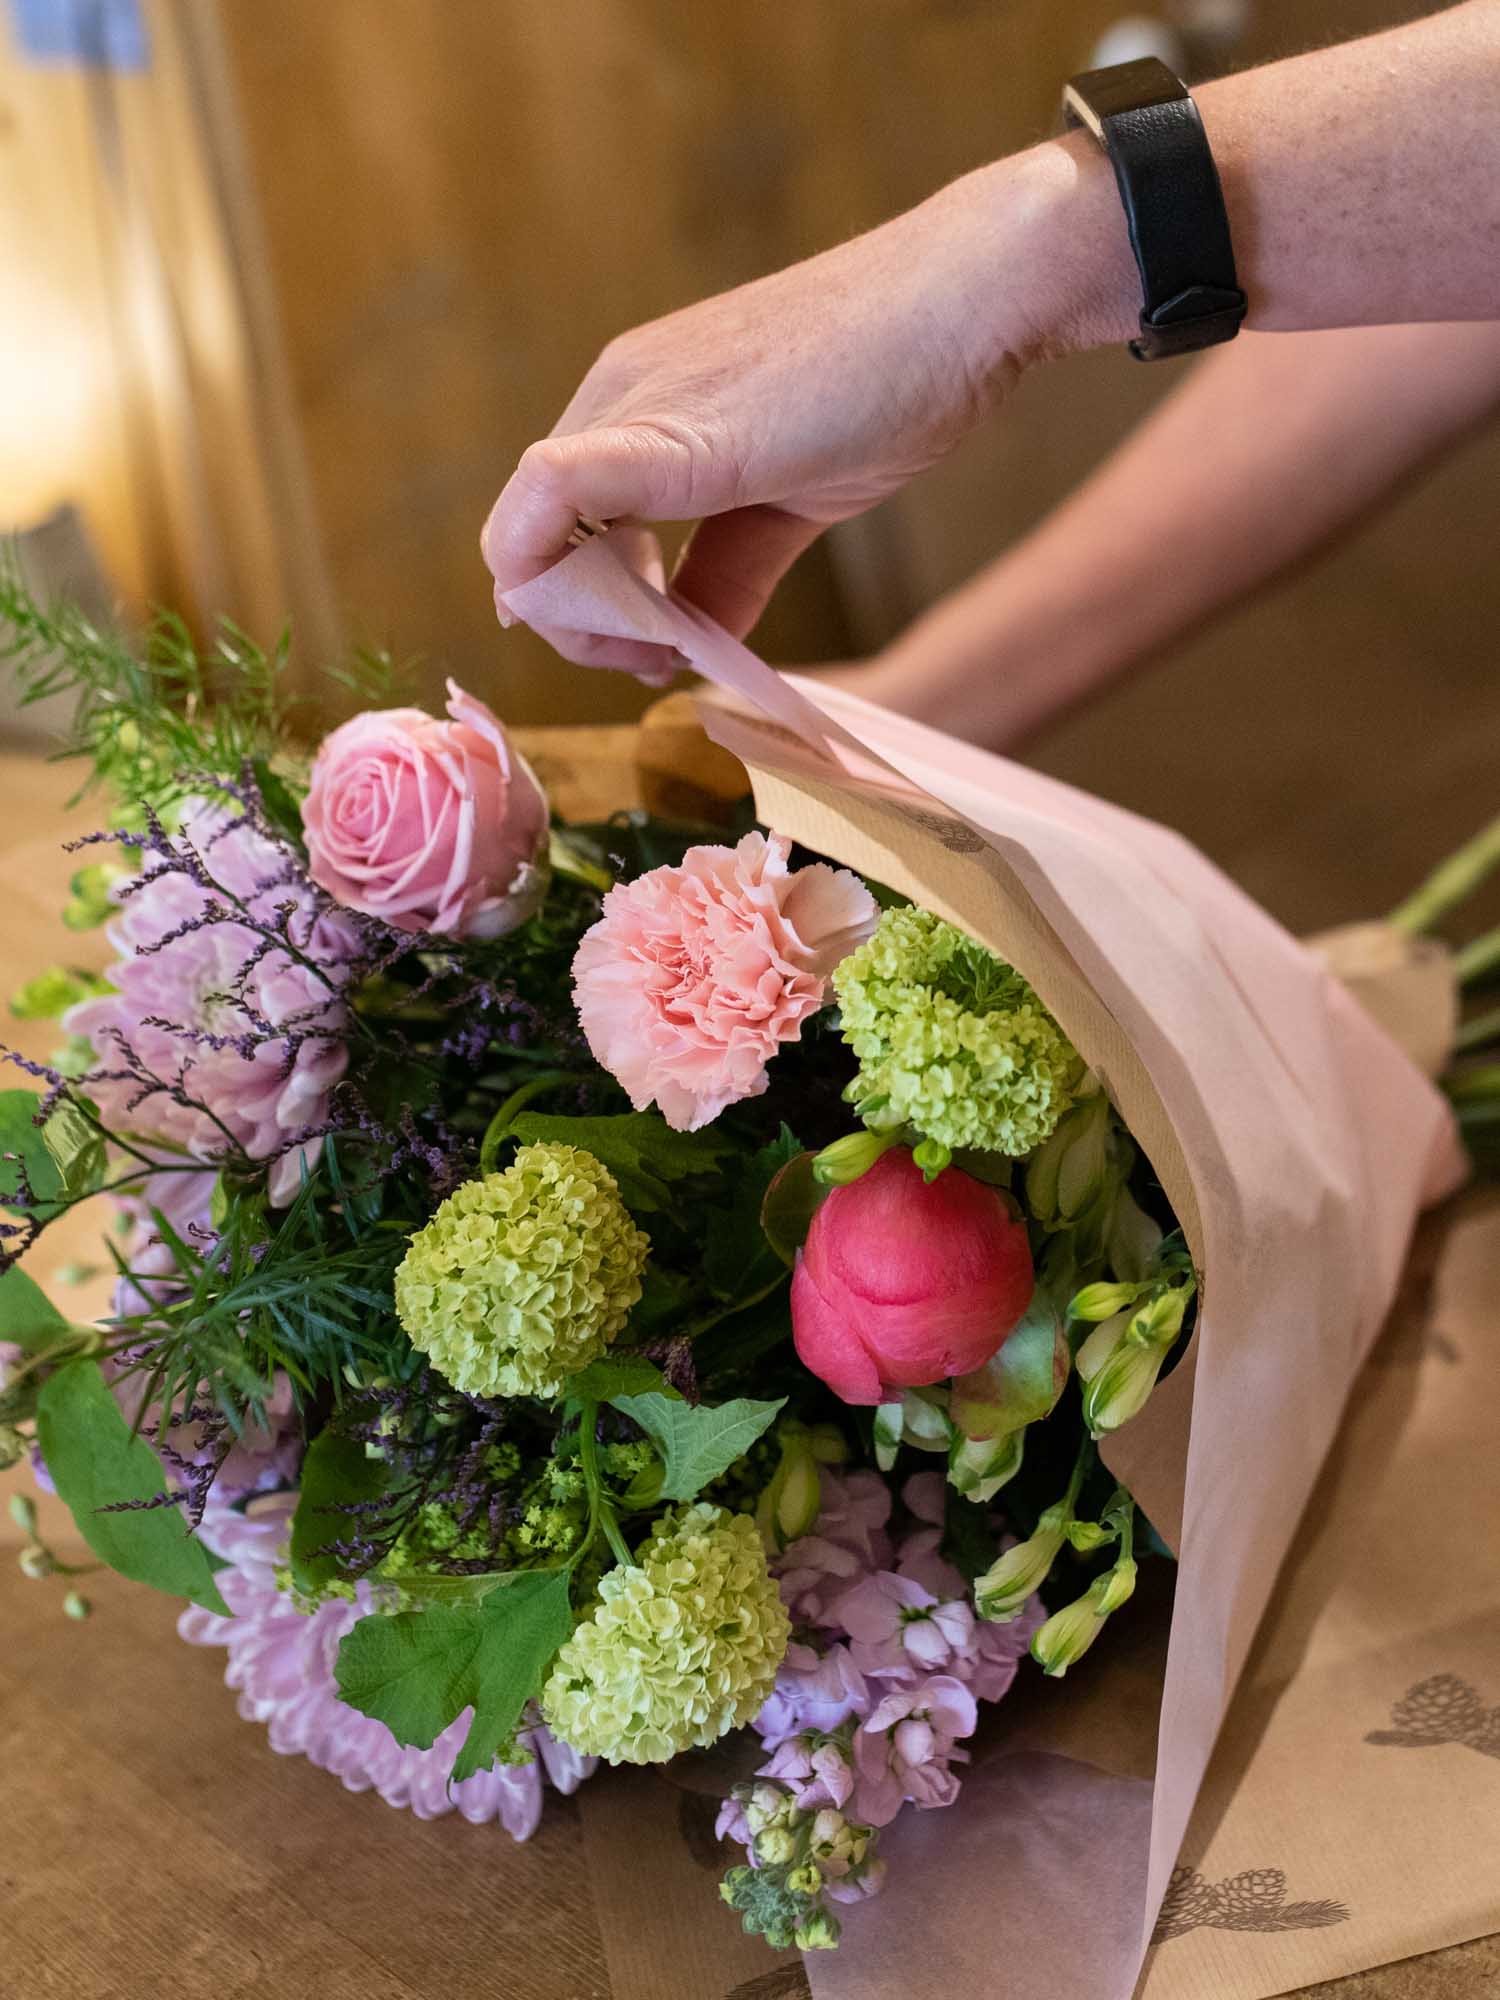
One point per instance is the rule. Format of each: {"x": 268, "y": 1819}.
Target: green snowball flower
{"x": 524, "y": 1277}
{"x": 680, "y": 1648}
{"x": 951, "y": 1040}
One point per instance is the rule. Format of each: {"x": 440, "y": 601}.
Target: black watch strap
{"x": 1147, "y": 122}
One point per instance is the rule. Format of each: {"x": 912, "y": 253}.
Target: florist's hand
{"x": 801, "y": 399}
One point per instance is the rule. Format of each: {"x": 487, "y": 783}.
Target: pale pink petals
{"x": 695, "y": 975}
{"x": 431, "y": 826}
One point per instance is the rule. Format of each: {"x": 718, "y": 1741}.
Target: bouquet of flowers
{"x": 584, "y": 1289}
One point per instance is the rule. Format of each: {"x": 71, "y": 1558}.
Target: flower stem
{"x": 498, "y": 1129}
{"x": 601, "y": 1513}
{"x": 1479, "y": 959}
{"x": 1483, "y": 1028}
{"x": 1449, "y": 884}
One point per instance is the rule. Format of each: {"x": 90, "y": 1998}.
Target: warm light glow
{"x": 54, "y": 387}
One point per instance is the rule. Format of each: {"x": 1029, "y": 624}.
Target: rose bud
{"x": 436, "y": 827}
{"x": 905, "y": 1281}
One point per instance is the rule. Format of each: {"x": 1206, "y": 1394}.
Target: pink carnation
{"x": 281, "y": 1661}
{"x": 694, "y": 976}
{"x": 216, "y": 1033}
{"x": 430, "y": 826}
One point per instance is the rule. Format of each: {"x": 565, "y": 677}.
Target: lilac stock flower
{"x": 282, "y": 1662}
{"x": 813, "y": 1770}
{"x": 225, "y": 1029}
{"x": 813, "y": 1691}
{"x": 905, "y": 1748}
{"x": 896, "y": 1627}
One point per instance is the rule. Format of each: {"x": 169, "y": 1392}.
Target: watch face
{"x": 1098, "y": 94}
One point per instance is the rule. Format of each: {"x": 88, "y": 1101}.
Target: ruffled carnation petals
{"x": 904, "y": 1282}
{"x": 695, "y": 975}
{"x": 433, "y": 827}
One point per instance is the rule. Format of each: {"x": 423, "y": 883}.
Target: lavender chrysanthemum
{"x": 281, "y": 1660}
{"x": 225, "y": 1029}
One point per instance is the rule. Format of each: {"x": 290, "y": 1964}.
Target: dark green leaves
{"x": 95, "y": 1462}
{"x": 617, "y": 1375}
{"x": 27, "y": 1315}
{"x": 791, "y": 1201}
{"x": 419, "y": 1671}
{"x": 336, "y": 1474}
{"x": 739, "y": 1260}
{"x": 21, "y": 1135}
{"x": 639, "y": 1147}
{"x": 697, "y": 1444}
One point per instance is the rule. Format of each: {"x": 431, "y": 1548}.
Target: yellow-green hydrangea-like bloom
{"x": 680, "y": 1648}
{"x": 524, "y": 1277}
{"x": 951, "y": 1040}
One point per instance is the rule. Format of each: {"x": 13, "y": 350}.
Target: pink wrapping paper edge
{"x": 1312, "y": 1143}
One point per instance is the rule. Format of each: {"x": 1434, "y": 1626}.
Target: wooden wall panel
{"x": 462, "y": 201}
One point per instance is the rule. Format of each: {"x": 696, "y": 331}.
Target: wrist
{"x": 1060, "y": 270}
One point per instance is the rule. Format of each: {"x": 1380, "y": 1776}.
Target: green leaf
{"x": 19, "y": 1133}
{"x": 791, "y": 1201}
{"x": 336, "y": 1473}
{"x": 618, "y": 1375}
{"x": 639, "y": 1147}
{"x": 419, "y": 1671}
{"x": 739, "y": 1259}
{"x": 94, "y": 1462}
{"x": 77, "y": 1150}
{"x": 434, "y": 1587}
{"x": 1021, "y": 1383}
{"x": 27, "y": 1315}
{"x": 279, "y": 800}
{"x": 697, "y": 1443}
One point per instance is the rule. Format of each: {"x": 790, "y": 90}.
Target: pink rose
{"x": 903, "y": 1282}
{"x": 430, "y": 826}
{"x": 694, "y": 976}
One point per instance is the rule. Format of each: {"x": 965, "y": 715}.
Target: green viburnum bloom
{"x": 681, "y": 1647}
{"x": 524, "y": 1277}
{"x": 951, "y": 1040}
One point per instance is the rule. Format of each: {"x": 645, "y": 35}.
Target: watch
{"x": 1146, "y": 121}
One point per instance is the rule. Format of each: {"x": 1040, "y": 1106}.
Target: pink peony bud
{"x": 904, "y": 1282}
{"x": 430, "y": 826}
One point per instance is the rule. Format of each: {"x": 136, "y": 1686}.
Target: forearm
{"x": 1362, "y": 183}
{"x": 1269, "y": 450}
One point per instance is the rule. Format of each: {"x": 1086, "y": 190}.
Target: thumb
{"x": 632, "y": 470}
{"x": 732, "y": 562}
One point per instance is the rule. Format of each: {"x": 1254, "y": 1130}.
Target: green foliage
{"x": 21, "y": 1135}
{"x": 418, "y": 1671}
{"x": 311, "y": 1295}
{"x": 149, "y": 719}
{"x": 77, "y": 1148}
{"x": 696, "y": 1443}
{"x": 739, "y": 1260}
{"x": 95, "y": 1462}
{"x": 27, "y": 1316}
{"x": 618, "y": 1375}
{"x": 337, "y": 1473}
{"x": 639, "y": 1147}
{"x": 53, "y": 992}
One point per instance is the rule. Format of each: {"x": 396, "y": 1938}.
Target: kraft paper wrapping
{"x": 1297, "y": 1143}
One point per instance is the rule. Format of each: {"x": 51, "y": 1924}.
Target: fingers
{"x": 632, "y": 469}
{"x": 732, "y": 562}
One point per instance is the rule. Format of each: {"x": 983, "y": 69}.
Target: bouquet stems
{"x": 1452, "y": 882}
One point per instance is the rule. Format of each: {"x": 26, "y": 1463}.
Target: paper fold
{"x": 1296, "y": 1141}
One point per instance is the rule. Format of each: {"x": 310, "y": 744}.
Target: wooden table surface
{"x": 153, "y": 1842}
